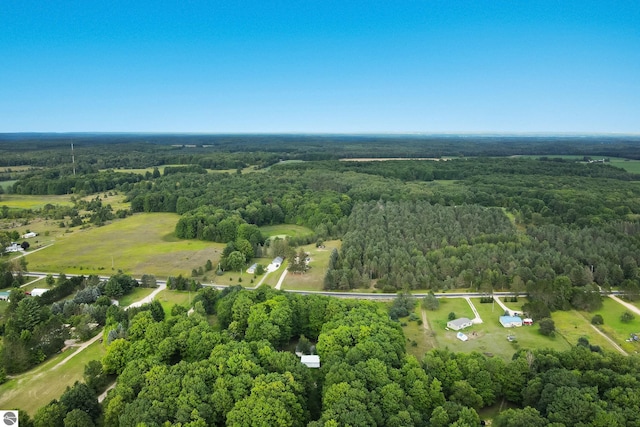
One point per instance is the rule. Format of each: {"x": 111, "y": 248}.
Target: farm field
{"x": 312, "y": 280}
{"x": 19, "y": 201}
{"x": 140, "y": 244}
{"x": 490, "y": 337}
{"x": 614, "y": 327}
{"x": 37, "y": 387}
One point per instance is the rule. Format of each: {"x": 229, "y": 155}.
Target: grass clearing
{"x": 139, "y": 244}
{"x": 572, "y": 325}
{"x": 169, "y": 298}
{"x": 285, "y": 230}
{"x": 312, "y": 280}
{"x": 37, "y": 387}
{"x": 614, "y": 327}
{"x": 19, "y": 201}
{"x": 416, "y": 333}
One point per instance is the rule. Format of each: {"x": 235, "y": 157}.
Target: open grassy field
{"x": 3, "y": 307}
{"x": 573, "y": 325}
{"x": 117, "y": 201}
{"x": 416, "y": 333}
{"x": 169, "y": 298}
{"x": 489, "y": 337}
{"x": 19, "y": 201}
{"x": 285, "y": 230}
{"x": 37, "y": 387}
{"x": 140, "y": 244}
{"x": 614, "y": 327}
{"x": 6, "y": 184}
{"x": 312, "y": 280}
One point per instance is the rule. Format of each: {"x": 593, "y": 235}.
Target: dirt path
{"x": 612, "y": 342}
{"x": 631, "y": 307}
{"x": 104, "y": 394}
{"x": 284, "y": 274}
{"x": 425, "y": 324}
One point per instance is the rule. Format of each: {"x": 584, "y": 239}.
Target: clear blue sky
{"x": 320, "y": 66}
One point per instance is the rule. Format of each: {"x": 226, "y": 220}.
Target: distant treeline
{"x": 233, "y": 151}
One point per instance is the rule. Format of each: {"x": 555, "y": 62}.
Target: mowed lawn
{"x": 614, "y": 327}
{"x": 489, "y": 337}
{"x": 35, "y": 388}
{"x": 140, "y": 244}
{"x": 312, "y": 280}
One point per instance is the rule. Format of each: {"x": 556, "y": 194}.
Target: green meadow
{"x": 18, "y": 201}
{"x": 140, "y": 244}
{"x": 614, "y": 327}
{"x": 312, "y": 280}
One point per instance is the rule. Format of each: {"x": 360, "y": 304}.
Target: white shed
{"x": 36, "y": 292}
{"x": 310, "y": 360}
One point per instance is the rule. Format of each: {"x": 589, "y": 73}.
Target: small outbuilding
{"x": 277, "y": 262}
{"x": 460, "y": 323}
{"x": 527, "y": 322}
{"x": 310, "y": 360}
{"x": 510, "y": 321}
{"x": 29, "y": 235}
{"x": 252, "y": 269}
{"x": 461, "y": 336}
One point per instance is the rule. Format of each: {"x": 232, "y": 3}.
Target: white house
{"x": 36, "y": 292}
{"x": 460, "y": 323}
{"x": 4, "y": 296}
{"x": 510, "y": 321}
{"x": 310, "y": 360}
{"x": 29, "y": 235}
{"x": 252, "y": 269}
{"x": 13, "y": 247}
{"x": 277, "y": 262}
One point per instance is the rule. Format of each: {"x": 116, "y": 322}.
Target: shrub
{"x": 627, "y": 317}
{"x": 597, "y": 320}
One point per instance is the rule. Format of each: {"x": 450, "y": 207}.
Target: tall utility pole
{"x": 73, "y": 160}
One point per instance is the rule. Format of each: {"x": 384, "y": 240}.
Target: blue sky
{"x": 320, "y": 66}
